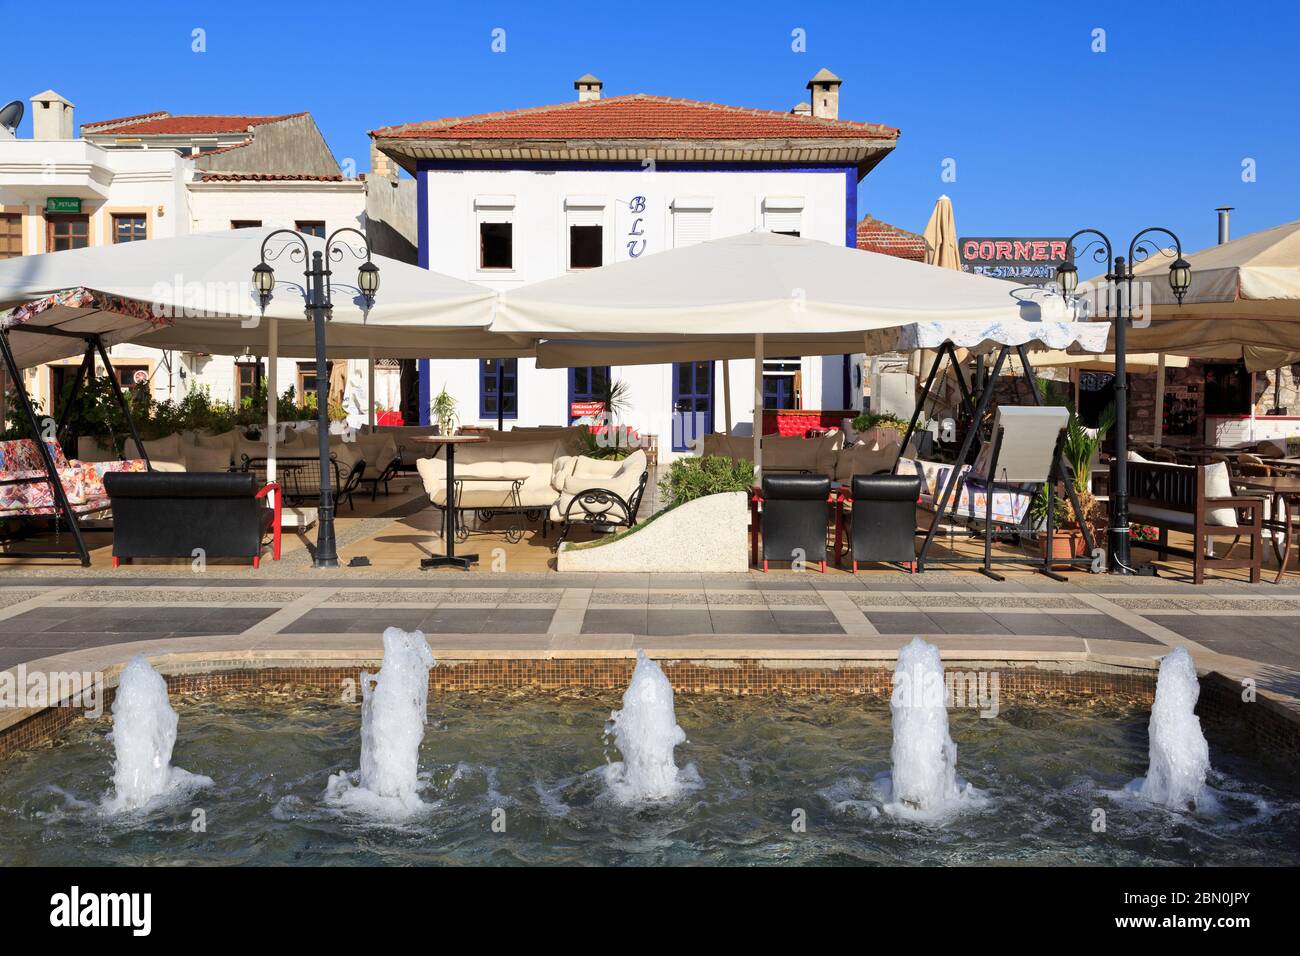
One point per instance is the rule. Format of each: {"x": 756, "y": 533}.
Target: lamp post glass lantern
{"x": 1119, "y": 279}
{"x": 318, "y": 304}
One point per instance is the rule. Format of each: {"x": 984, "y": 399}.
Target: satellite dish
{"x": 12, "y": 115}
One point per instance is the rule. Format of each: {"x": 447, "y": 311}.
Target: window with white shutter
{"x": 783, "y": 214}
{"x": 585, "y": 224}
{"x": 692, "y": 220}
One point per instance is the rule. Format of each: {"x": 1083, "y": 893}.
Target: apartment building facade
{"x": 157, "y": 175}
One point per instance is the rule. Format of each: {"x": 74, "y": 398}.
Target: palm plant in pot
{"x": 1082, "y": 444}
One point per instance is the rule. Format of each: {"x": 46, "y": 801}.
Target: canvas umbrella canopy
{"x": 1243, "y": 303}
{"x": 770, "y": 291}
{"x": 196, "y": 292}
{"x": 201, "y": 283}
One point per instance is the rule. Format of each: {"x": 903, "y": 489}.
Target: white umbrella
{"x": 198, "y": 288}
{"x": 196, "y": 292}
{"x": 796, "y": 296}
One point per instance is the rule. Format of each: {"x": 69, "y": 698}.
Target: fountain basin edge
{"x": 195, "y": 666}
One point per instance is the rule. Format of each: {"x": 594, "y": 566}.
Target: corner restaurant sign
{"x": 1029, "y": 261}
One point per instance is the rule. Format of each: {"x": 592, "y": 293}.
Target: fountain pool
{"x": 536, "y": 762}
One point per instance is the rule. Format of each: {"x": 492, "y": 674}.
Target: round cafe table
{"x": 1286, "y": 497}
{"x": 449, "y": 508}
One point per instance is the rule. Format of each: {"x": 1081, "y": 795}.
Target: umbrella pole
{"x": 758, "y": 407}
{"x": 726, "y": 392}
{"x": 370, "y": 386}
{"x": 272, "y": 398}
{"x": 1158, "y": 427}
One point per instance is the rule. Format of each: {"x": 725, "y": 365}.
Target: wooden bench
{"x": 1173, "y": 498}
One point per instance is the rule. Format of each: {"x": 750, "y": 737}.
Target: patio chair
{"x": 882, "y": 524}
{"x": 187, "y": 514}
{"x": 300, "y": 477}
{"x": 796, "y": 513}
{"x": 602, "y": 495}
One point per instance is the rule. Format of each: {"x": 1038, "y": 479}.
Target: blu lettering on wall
{"x": 636, "y": 236}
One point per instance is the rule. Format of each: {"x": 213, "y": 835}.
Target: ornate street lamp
{"x": 319, "y": 307}
{"x": 1119, "y": 276}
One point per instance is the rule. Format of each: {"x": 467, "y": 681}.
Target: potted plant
{"x": 1082, "y": 444}
{"x": 444, "y": 410}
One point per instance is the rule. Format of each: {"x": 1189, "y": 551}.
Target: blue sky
{"x": 1046, "y": 134}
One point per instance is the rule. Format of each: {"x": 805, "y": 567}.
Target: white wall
{"x": 538, "y": 203}
{"x": 214, "y": 205}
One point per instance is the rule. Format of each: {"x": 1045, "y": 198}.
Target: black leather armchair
{"x": 796, "y": 513}
{"x": 161, "y": 514}
{"x": 882, "y": 524}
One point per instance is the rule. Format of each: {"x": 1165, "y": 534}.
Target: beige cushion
{"x": 164, "y": 449}
{"x": 89, "y": 449}
{"x": 225, "y": 440}
{"x": 532, "y": 461}
{"x": 1218, "y": 485}
{"x": 168, "y": 465}
{"x": 863, "y": 459}
{"x": 623, "y": 481}
{"x": 584, "y": 467}
{"x": 735, "y": 447}
{"x": 377, "y": 451}
{"x": 881, "y": 437}
{"x": 245, "y": 446}
{"x": 347, "y": 454}
{"x": 205, "y": 459}
{"x": 791, "y": 453}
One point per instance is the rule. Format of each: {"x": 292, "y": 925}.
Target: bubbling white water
{"x": 144, "y": 734}
{"x": 394, "y": 709}
{"x": 924, "y": 776}
{"x": 1180, "y": 756}
{"x": 646, "y": 734}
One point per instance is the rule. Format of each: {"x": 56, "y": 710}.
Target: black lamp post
{"x": 319, "y": 308}
{"x": 1119, "y": 276}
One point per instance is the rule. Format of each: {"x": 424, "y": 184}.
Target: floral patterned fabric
{"x": 83, "y": 482}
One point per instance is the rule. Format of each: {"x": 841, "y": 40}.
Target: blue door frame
{"x": 692, "y": 403}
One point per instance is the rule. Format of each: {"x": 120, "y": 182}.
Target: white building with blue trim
{"x": 506, "y": 199}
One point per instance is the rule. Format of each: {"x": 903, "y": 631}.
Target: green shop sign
{"x": 63, "y": 204}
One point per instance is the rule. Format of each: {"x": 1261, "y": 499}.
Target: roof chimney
{"x": 51, "y": 116}
{"x": 1223, "y": 212}
{"x": 381, "y": 164}
{"x": 825, "y": 90}
{"x": 588, "y": 87}
{"x": 802, "y": 109}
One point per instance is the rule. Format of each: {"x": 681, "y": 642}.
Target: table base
{"x": 462, "y": 561}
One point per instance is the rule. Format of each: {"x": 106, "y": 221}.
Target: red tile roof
{"x": 165, "y": 123}
{"x": 267, "y": 177}
{"x": 877, "y": 236}
{"x": 638, "y": 116}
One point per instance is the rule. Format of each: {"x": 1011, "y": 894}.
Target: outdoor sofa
{"x": 171, "y": 515}
{"x": 597, "y": 492}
